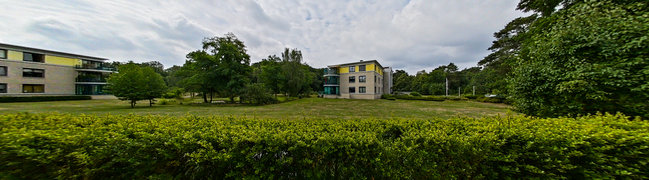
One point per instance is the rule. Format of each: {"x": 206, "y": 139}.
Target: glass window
{"x": 33, "y": 88}
{"x": 361, "y": 79}
{"x": 361, "y": 89}
{"x": 33, "y": 57}
{"x": 3, "y": 88}
{"x": 3, "y": 54}
{"x": 3, "y": 70}
{"x": 352, "y": 69}
{"x": 361, "y": 68}
{"x": 27, "y": 72}
{"x": 352, "y": 89}
{"x": 352, "y": 79}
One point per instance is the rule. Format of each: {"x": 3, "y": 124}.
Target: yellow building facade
{"x": 26, "y": 71}
{"x": 358, "y": 80}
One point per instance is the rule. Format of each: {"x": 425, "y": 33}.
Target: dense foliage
{"x": 42, "y": 98}
{"x": 591, "y": 57}
{"x": 47, "y": 146}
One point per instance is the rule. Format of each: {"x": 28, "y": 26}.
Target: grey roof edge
{"x": 44, "y": 51}
{"x": 358, "y": 62}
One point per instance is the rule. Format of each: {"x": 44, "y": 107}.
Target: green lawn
{"x": 302, "y": 108}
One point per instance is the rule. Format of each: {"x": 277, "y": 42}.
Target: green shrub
{"x": 43, "y": 98}
{"x": 471, "y": 96}
{"x": 386, "y": 96}
{"x": 165, "y": 101}
{"x": 491, "y": 99}
{"x": 61, "y": 146}
{"x": 258, "y": 94}
{"x": 415, "y": 94}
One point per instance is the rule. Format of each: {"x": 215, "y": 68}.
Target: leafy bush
{"x": 42, "y": 98}
{"x": 491, "y": 99}
{"x": 471, "y": 96}
{"x": 258, "y": 94}
{"x": 61, "y": 146}
{"x": 386, "y": 96}
{"x": 415, "y": 94}
{"x": 423, "y": 98}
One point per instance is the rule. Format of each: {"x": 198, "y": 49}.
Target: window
{"x": 361, "y": 89}
{"x": 361, "y": 79}
{"x": 33, "y": 57}
{"x": 352, "y": 69}
{"x": 374, "y": 79}
{"x": 3, "y": 54}
{"x": 3, "y": 88}
{"x": 27, "y": 72}
{"x": 33, "y": 88}
{"x": 361, "y": 68}
{"x": 3, "y": 70}
{"x": 352, "y": 79}
{"x": 352, "y": 90}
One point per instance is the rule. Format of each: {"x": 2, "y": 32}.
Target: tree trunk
{"x": 211, "y": 97}
{"x": 150, "y": 102}
{"x": 132, "y": 103}
{"x": 204, "y": 97}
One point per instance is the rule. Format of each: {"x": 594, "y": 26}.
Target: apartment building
{"x": 358, "y": 80}
{"x": 26, "y": 71}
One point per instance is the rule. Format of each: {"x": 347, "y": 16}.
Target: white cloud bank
{"x": 411, "y": 35}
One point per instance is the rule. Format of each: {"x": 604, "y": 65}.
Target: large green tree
{"x": 134, "y": 83}
{"x": 590, "y": 56}
{"x": 233, "y": 64}
{"x": 155, "y": 84}
{"x": 222, "y": 67}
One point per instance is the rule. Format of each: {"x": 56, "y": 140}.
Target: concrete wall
{"x": 58, "y": 80}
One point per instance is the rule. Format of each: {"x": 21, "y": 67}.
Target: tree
{"x": 591, "y": 57}
{"x": 233, "y": 64}
{"x": 154, "y": 84}
{"x": 129, "y": 84}
{"x": 199, "y": 74}
{"x": 297, "y": 76}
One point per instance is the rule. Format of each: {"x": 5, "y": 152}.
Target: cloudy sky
{"x": 404, "y": 34}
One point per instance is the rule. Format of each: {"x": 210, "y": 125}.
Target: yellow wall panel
{"x": 15, "y": 55}
{"x": 62, "y": 61}
{"x": 344, "y": 70}
{"x": 370, "y": 67}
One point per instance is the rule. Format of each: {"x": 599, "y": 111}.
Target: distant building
{"x": 26, "y": 71}
{"x": 358, "y": 80}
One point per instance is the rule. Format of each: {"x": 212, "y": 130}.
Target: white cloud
{"x": 411, "y": 35}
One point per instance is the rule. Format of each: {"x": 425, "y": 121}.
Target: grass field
{"x": 308, "y": 107}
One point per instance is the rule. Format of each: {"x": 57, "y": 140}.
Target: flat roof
{"x": 358, "y": 62}
{"x": 44, "y": 51}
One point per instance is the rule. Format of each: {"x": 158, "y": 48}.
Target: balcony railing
{"x": 330, "y": 71}
{"x": 90, "y": 79}
{"x": 103, "y": 68}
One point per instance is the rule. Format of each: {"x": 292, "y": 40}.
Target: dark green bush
{"x": 471, "y": 96}
{"x": 60, "y": 146}
{"x": 386, "y": 96}
{"x": 415, "y": 94}
{"x": 491, "y": 99}
{"x": 258, "y": 94}
{"x": 42, "y": 98}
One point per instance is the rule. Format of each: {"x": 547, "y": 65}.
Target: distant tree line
{"x": 221, "y": 69}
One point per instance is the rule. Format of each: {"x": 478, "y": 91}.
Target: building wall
{"x": 58, "y": 80}
{"x": 49, "y": 59}
{"x": 369, "y": 85}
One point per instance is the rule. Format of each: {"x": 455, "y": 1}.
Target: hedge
{"x": 41, "y": 98}
{"x": 62, "y": 146}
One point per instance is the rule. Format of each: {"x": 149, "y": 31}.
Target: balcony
{"x": 331, "y": 72}
{"x": 93, "y": 67}
{"x": 332, "y": 81}
{"x": 91, "y": 79}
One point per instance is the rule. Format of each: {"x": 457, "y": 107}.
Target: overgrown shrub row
{"x": 47, "y": 146}
{"x": 42, "y": 98}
